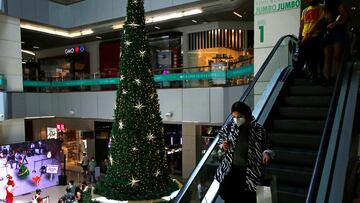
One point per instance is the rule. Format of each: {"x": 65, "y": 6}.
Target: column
{"x": 10, "y": 52}
{"x": 191, "y": 150}
{"x": 272, "y": 20}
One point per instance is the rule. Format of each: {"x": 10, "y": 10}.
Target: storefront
{"x": 220, "y": 50}
{"x": 74, "y": 64}
{"x": 76, "y": 136}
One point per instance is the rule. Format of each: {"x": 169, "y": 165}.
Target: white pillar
{"x": 190, "y": 148}
{"x": 272, "y": 20}
{"x": 10, "y": 52}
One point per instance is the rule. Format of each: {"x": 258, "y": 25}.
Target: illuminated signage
{"x": 75, "y": 50}
{"x": 60, "y": 126}
{"x": 52, "y": 169}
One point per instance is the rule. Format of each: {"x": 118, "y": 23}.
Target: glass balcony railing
{"x": 217, "y": 75}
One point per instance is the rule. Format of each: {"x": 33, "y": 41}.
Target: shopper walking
{"x": 91, "y": 168}
{"x": 84, "y": 164}
{"x": 246, "y": 150}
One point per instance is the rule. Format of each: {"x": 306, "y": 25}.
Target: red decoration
{"x": 36, "y": 180}
{"x": 77, "y": 49}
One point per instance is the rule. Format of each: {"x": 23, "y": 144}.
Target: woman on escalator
{"x": 335, "y": 18}
{"x": 246, "y": 150}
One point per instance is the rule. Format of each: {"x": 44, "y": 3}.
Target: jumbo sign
{"x": 75, "y": 50}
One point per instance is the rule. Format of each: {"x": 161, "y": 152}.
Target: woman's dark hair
{"x": 242, "y": 108}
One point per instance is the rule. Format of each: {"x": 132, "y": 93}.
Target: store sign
{"x": 60, "y": 126}
{"x": 271, "y": 6}
{"x": 75, "y": 50}
{"x": 53, "y": 169}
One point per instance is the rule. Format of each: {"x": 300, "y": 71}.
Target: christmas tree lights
{"x": 138, "y": 169}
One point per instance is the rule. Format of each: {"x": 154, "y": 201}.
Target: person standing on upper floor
{"x": 245, "y": 144}
{"x": 310, "y": 36}
{"x": 335, "y": 19}
{"x": 84, "y": 164}
{"x": 91, "y": 168}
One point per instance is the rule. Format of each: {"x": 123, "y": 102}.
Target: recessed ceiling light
{"x": 36, "y": 47}
{"x": 194, "y": 21}
{"x": 156, "y": 27}
{"x": 98, "y": 37}
{"x": 237, "y": 14}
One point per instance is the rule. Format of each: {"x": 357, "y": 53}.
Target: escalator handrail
{"x": 325, "y": 138}
{"x": 264, "y": 65}
{"x": 247, "y": 92}
{"x": 341, "y": 157}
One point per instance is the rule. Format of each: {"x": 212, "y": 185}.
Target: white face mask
{"x": 239, "y": 121}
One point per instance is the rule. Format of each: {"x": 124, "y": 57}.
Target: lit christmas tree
{"x": 138, "y": 169}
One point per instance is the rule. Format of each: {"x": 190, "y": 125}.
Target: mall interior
{"x": 59, "y": 72}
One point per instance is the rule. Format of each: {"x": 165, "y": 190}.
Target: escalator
{"x": 295, "y": 126}
{"x": 302, "y": 120}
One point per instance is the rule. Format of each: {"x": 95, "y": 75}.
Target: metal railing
{"x": 232, "y": 74}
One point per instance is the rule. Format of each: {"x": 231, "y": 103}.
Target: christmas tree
{"x": 138, "y": 169}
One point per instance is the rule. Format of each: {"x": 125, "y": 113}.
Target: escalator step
{"x": 301, "y": 81}
{"x": 295, "y": 157}
{"x": 302, "y": 113}
{"x": 307, "y": 101}
{"x": 304, "y": 126}
{"x": 310, "y": 141}
{"x": 292, "y": 175}
{"x": 311, "y": 90}
{"x": 289, "y": 197}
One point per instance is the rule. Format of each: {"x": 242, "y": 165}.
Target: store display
{"x": 26, "y": 163}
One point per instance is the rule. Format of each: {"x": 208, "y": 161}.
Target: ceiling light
{"x": 36, "y": 47}
{"x": 87, "y": 32}
{"x": 75, "y": 34}
{"x": 55, "y": 31}
{"x": 237, "y": 14}
{"x": 98, "y": 37}
{"x": 168, "y": 16}
{"x": 28, "y": 52}
{"x": 194, "y": 21}
{"x": 156, "y": 27}
{"x": 118, "y": 26}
